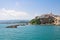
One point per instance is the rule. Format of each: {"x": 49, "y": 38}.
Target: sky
{"x": 27, "y": 9}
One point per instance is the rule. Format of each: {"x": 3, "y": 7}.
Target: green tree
{"x": 35, "y": 21}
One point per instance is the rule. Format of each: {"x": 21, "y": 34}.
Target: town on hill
{"x": 46, "y": 19}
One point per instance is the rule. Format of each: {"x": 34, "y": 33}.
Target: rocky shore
{"x": 12, "y": 26}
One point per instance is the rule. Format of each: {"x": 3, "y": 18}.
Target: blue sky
{"x": 27, "y": 9}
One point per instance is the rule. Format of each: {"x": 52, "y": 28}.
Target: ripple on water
{"x": 31, "y": 32}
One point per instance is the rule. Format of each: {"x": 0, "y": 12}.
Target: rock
{"x": 12, "y": 26}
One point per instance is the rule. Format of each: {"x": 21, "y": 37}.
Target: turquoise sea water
{"x": 30, "y": 32}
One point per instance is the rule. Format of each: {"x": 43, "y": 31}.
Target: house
{"x": 47, "y": 18}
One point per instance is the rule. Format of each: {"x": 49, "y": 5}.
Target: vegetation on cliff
{"x": 35, "y": 21}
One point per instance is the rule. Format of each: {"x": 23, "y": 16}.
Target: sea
{"x": 30, "y": 32}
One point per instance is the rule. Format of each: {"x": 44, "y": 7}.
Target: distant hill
{"x": 13, "y": 21}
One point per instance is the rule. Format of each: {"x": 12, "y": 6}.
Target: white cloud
{"x": 6, "y": 14}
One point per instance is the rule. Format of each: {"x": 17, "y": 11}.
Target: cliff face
{"x": 57, "y": 21}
